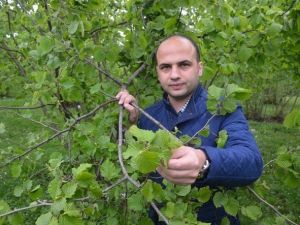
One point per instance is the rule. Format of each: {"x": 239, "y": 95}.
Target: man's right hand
{"x": 125, "y": 99}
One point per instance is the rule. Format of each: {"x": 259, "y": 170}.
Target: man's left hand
{"x": 184, "y": 165}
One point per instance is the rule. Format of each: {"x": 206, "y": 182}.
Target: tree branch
{"x": 289, "y": 8}
{"x": 108, "y": 75}
{"x": 30, "y": 149}
{"x": 38, "y": 204}
{"x": 25, "y": 107}
{"x": 96, "y": 30}
{"x": 271, "y": 206}
{"x": 135, "y": 74}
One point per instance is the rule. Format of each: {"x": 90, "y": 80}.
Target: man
{"x": 183, "y": 107}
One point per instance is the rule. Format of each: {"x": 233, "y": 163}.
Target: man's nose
{"x": 175, "y": 73}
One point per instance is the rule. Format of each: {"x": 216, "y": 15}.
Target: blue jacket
{"x": 238, "y": 164}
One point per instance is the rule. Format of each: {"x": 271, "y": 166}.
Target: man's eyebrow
{"x": 184, "y": 61}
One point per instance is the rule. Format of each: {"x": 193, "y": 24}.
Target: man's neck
{"x": 177, "y": 104}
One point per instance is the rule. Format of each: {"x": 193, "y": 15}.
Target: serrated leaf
{"x": 231, "y": 206}
{"x": 136, "y": 202}
{"x": 54, "y": 221}
{"x": 95, "y": 88}
{"x": 204, "y": 131}
{"x": 252, "y": 211}
{"x": 133, "y": 150}
{"x": 2, "y": 128}
{"x": 44, "y": 219}
{"x": 73, "y": 27}
{"x": 238, "y": 93}
{"x": 245, "y": 53}
{"x": 225, "y": 221}
{"x": 219, "y": 199}
{"x": 58, "y": 205}
{"x": 215, "y": 92}
{"x": 54, "y": 188}
{"x": 147, "y": 161}
{"x": 69, "y": 189}
{"x": 109, "y": 170}
{"x": 169, "y": 209}
{"x": 16, "y": 169}
{"x": 182, "y": 190}
{"x": 83, "y": 167}
{"x": 140, "y": 134}
{"x": 147, "y": 191}
{"x": 204, "y": 194}
{"x": 222, "y": 138}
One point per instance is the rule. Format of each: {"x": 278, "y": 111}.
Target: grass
{"x": 19, "y": 130}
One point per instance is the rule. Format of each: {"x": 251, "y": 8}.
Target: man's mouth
{"x": 176, "y": 86}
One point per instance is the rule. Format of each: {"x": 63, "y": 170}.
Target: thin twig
{"x": 135, "y": 74}
{"x": 271, "y": 206}
{"x": 269, "y": 162}
{"x": 108, "y": 75}
{"x": 159, "y": 212}
{"x": 207, "y": 122}
{"x": 39, "y": 203}
{"x": 115, "y": 184}
{"x": 38, "y": 122}
{"x": 120, "y": 143}
{"x": 150, "y": 118}
{"x": 30, "y": 149}
{"x": 25, "y": 107}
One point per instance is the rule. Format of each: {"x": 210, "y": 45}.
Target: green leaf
{"x": 54, "y": 188}
{"x": 4, "y": 207}
{"x": 231, "y": 206}
{"x": 16, "y": 169}
{"x": 219, "y": 199}
{"x": 182, "y": 190}
{"x": 70, "y": 220}
{"x": 73, "y": 27}
{"x": 204, "y": 131}
{"x": 44, "y": 219}
{"x": 274, "y": 29}
{"x": 215, "y": 92}
{"x": 136, "y": 202}
{"x": 225, "y": 221}
{"x": 237, "y": 92}
{"x": 54, "y": 221}
{"x": 58, "y": 205}
{"x": 292, "y": 119}
{"x": 140, "y": 134}
{"x": 245, "y": 53}
{"x": 147, "y": 161}
{"x": 147, "y": 191}
{"x": 95, "y": 88}
{"x": 16, "y": 219}
{"x": 169, "y": 209}
{"x": 109, "y": 170}
{"x": 204, "y": 194}
{"x": 252, "y": 211}
{"x": 83, "y": 167}
{"x": 69, "y": 189}
{"x": 222, "y": 138}
{"x": 2, "y": 128}
{"x": 45, "y": 45}
{"x": 18, "y": 190}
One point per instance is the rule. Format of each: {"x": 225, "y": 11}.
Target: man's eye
{"x": 184, "y": 65}
{"x": 165, "y": 67}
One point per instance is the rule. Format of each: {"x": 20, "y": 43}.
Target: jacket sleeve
{"x": 239, "y": 163}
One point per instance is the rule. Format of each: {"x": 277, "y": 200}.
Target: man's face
{"x": 177, "y": 68}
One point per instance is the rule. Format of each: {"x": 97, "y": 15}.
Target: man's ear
{"x": 200, "y": 69}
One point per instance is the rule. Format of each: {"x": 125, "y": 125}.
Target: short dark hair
{"x": 182, "y": 36}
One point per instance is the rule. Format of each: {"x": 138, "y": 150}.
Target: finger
{"x": 179, "y": 152}
{"x": 174, "y": 179}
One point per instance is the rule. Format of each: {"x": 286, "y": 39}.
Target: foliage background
{"x": 56, "y": 52}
